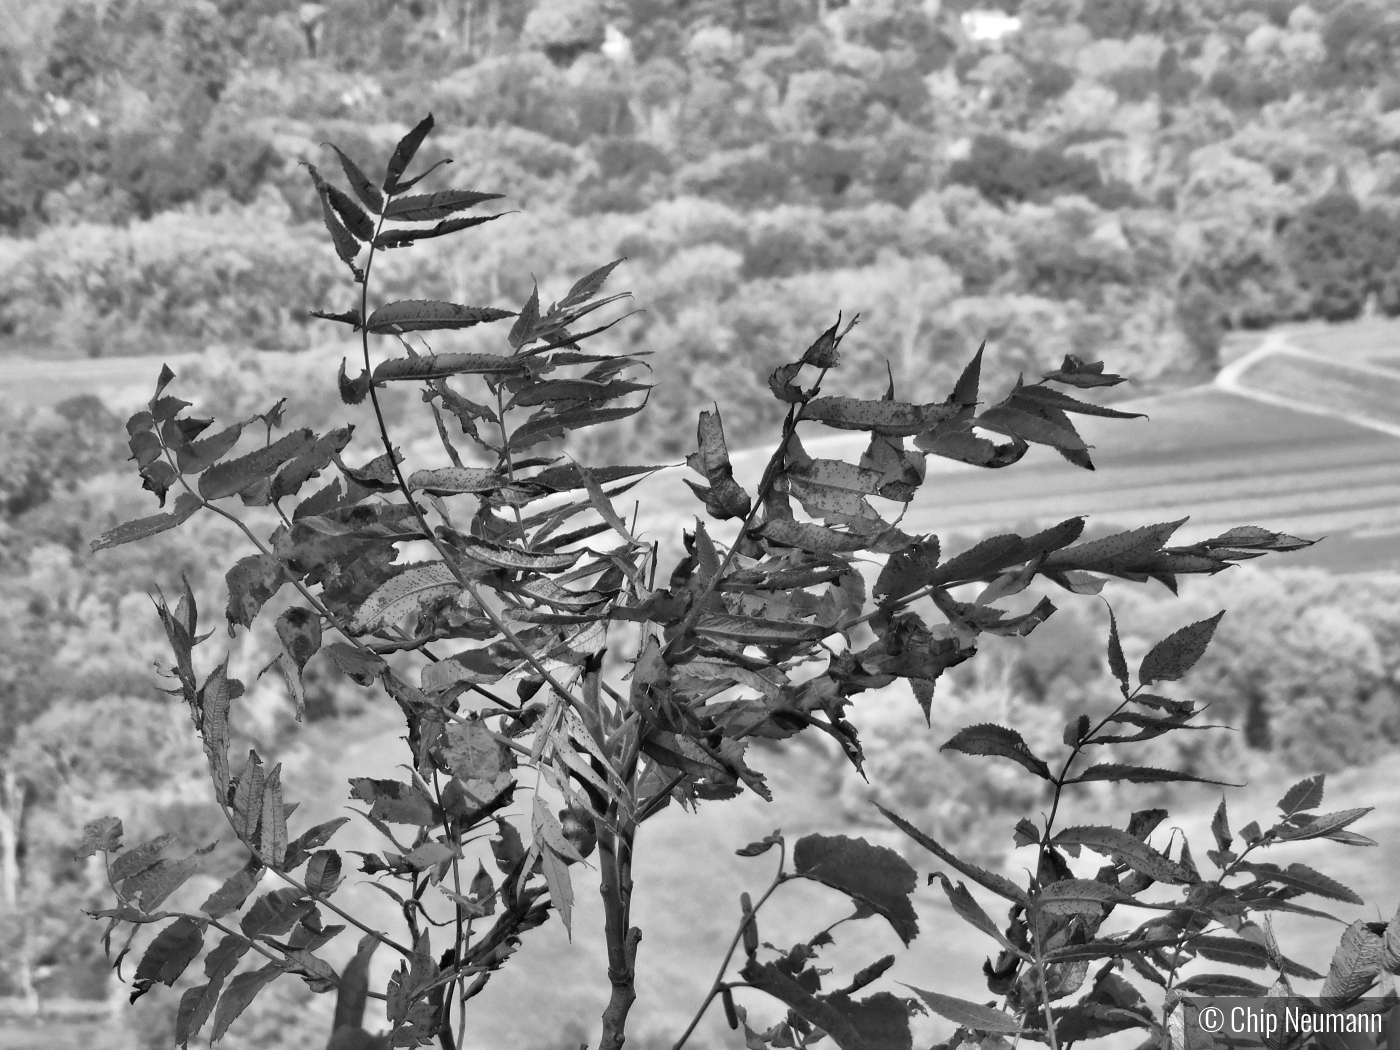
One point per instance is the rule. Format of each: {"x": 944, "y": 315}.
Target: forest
{"x": 1128, "y": 180}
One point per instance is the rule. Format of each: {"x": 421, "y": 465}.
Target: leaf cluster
{"x": 486, "y": 599}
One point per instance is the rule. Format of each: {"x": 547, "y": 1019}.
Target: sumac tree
{"x": 492, "y": 642}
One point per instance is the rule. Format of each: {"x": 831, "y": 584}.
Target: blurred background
{"x": 1205, "y": 194}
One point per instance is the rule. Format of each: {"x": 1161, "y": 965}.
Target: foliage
{"x": 768, "y": 631}
{"x": 126, "y": 120}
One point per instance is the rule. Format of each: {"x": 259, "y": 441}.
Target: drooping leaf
{"x": 1117, "y": 665}
{"x": 875, "y": 876}
{"x": 353, "y": 391}
{"x": 967, "y": 908}
{"x": 168, "y": 956}
{"x": 878, "y": 1022}
{"x": 998, "y": 884}
{"x": 367, "y": 191}
{"x": 998, "y": 741}
{"x": 423, "y": 315}
{"x": 251, "y": 583}
{"x": 346, "y": 245}
{"x": 241, "y": 991}
{"x": 1177, "y": 653}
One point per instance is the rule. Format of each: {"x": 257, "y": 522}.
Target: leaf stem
{"x": 744, "y": 921}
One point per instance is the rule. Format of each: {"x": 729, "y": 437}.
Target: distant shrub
{"x": 742, "y": 178}
{"x": 1005, "y": 172}
{"x": 162, "y": 284}
{"x": 1342, "y": 253}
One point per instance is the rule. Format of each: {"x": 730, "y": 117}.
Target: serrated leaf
{"x": 1113, "y": 552}
{"x": 875, "y": 876}
{"x": 425, "y": 207}
{"x": 1079, "y": 897}
{"x": 309, "y": 464}
{"x": 139, "y": 858}
{"x": 247, "y": 799}
{"x": 892, "y": 418}
{"x": 408, "y": 591}
{"x": 1055, "y": 399}
{"x": 546, "y": 424}
{"x": 423, "y": 315}
{"x": 967, "y": 908}
{"x": 235, "y": 890}
{"x": 1220, "y": 827}
{"x": 404, "y": 153}
{"x": 272, "y": 844}
{"x": 402, "y": 238}
{"x": 364, "y": 189}
{"x": 346, "y": 245}
{"x": 1174, "y": 655}
{"x": 1221, "y": 984}
{"x": 139, "y": 529}
{"x": 1301, "y": 877}
{"x": 995, "y": 740}
{"x": 1120, "y": 772}
{"x": 394, "y": 801}
{"x": 505, "y": 556}
{"x": 1324, "y": 826}
{"x": 1017, "y": 424}
{"x": 754, "y": 630}
{"x": 587, "y": 286}
{"x": 803, "y": 535}
{"x": 908, "y": 570}
{"x": 452, "y": 481}
{"x": 967, "y": 1014}
{"x": 232, "y": 477}
{"x": 998, "y": 884}
{"x": 241, "y": 991}
{"x": 1303, "y": 796}
{"x": 214, "y": 698}
{"x": 168, "y": 956}
{"x": 1124, "y": 848}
